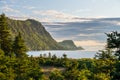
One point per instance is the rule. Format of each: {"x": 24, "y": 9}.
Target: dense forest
{"x": 16, "y": 65}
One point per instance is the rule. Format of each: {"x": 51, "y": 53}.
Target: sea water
{"x": 70, "y": 54}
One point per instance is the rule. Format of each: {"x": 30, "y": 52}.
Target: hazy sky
{"x": 69, "y": 19}
{"x": 60, "y": 10}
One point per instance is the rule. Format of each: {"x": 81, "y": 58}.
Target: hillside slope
{"x": 34, "y": 34}
{"x": 69, "y": 45}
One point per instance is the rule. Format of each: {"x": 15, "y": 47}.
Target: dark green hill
{"x": 34, "y": 34}
{"x": 69, "y": 45}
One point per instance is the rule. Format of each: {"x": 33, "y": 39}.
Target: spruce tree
{"x": 5, "y": 36}
{"x": 1, "y": 53}
{"x": 113, "y": 42}
{"x": 19, "y": 47}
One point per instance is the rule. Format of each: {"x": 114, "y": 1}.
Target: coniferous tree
{"x": 113, "y": 42}
{"x": 5, "y": 36}
{"x": 19, "y": 47}
{"x": 105, "y": 54}
{"x": 1, "y": 53}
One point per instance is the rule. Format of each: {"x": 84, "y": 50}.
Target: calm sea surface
{"x": 70, "y": 54}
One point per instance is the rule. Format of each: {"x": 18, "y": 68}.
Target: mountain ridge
{"x": 34, "y": 34}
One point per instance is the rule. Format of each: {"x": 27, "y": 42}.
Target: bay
{"x": 70, "y": 54}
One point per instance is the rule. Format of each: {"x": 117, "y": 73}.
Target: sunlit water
{"x": 70, "y": 54}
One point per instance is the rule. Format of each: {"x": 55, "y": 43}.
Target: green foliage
{"x": 115, "y": 75}
{"x": 101, "y": 76}
{"x": 105, "y": 54}
{"x": 16, "y": 65}
{"x": 113, "y": 42}
{"x": 84, "y": 75}
{"x": 35, "y": 35}
{"x": 72, "y": 75}
{"x": 19, "y": 47}
{"x": 56, "y": 75}
{"x": 5, "y": 36}
{"x": 1, "y": 53}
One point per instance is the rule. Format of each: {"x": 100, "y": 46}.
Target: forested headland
{"x": 15, "y": 64}
{"x": 35, "y": 35}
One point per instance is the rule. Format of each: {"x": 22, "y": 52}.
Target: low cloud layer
{"x": 90, "y": 45}
{"x": 9, "y": 9}
{"x": 54, "y": 15}
{"x": 89, "y": 34}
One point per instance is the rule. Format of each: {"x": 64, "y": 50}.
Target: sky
{"x": 83, "y": 21}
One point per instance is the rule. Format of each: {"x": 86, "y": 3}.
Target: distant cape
{"x": 69, "y": 45}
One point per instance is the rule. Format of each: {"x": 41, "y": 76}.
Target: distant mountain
{"x": 34, "y": 34}
{"x": 69, "y": 45}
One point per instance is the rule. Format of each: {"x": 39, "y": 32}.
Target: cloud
{"x": 97, "y": 0}
{"x": 8, "y": 9}
{"x": 53, "y": 23}
{"x": 55, "y": 15}
{"x": 118, "y": 23}
{"x": 90, "y": 30}
{"x": 90, "y": 45}
{"x": 22, "y": 17}
{"x": 90, "y": 35}
{"x": 3, "y": 1}
{"x": 79, "y": 11}
{"x": 29, "y": 7}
